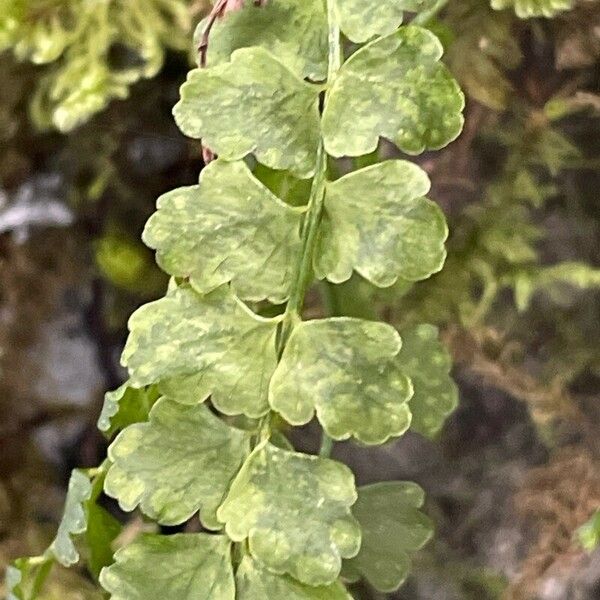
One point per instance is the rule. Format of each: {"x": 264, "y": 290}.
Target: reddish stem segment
{"x": 217, "y": 11}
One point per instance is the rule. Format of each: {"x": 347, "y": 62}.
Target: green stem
{"x": 309, "y": 234}
{"x": 314, "y": 212}
{"x": 314, "y": 215}
{"x": 335, "y": 63}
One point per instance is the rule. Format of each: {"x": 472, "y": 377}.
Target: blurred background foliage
{"x": 88, "y": 143}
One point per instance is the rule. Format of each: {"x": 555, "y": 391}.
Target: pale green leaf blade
{"x": 397, "y": 88}
{"x": 176, "y": 567}
{"x": 393, "y": 528}
{"x": 295, "y": 31}
{"x": 256, "y": 583}
{"x": 74, "y": 520}
{"x": 361, "y": 20}
{"x": 526, "y": 9}
{"x": 344, "y": 369}
{"x": 229, "y": 228}
{"x": 378, "y": 223}
{"x": 181, "y": 461}
{"x": 124, "y": 406}
{"x": 427, "y": 362}
{"x": 209, "y": 344}
{"x": 294, "y": 509}
{"x": 253, "y": 104}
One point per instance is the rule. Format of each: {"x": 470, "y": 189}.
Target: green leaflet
{"x": 25, "y": 577}
{"x": 230, "y": 228}
{"x": 253, "y": 104}
{"x": 427, "y": 362}
{"x": 284, "y": 185}
{"x": 293, "y": 30}
{"x": 124, "y": 406}
{"x": 378, "y": 223}
{"x": 181, "y": 461}
{"x": 345, "y": 370}
{"x": 392, "y": 527}
{"x": 74, "y": 521}
{"x": 201, "y": 345}
{"x": 395, "y": 87}
{"x": 279, "y": 439}
{"x": 255, "y": 583}
{"x": 102, "y": 530}
{"x": 525, "y": 9}
{"x": 295, "y": 511}
{"x": 176, "y": 567}
{"x": 198, "y": 567}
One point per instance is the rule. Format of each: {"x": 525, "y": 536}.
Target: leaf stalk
{"x": 317, "y": 196}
